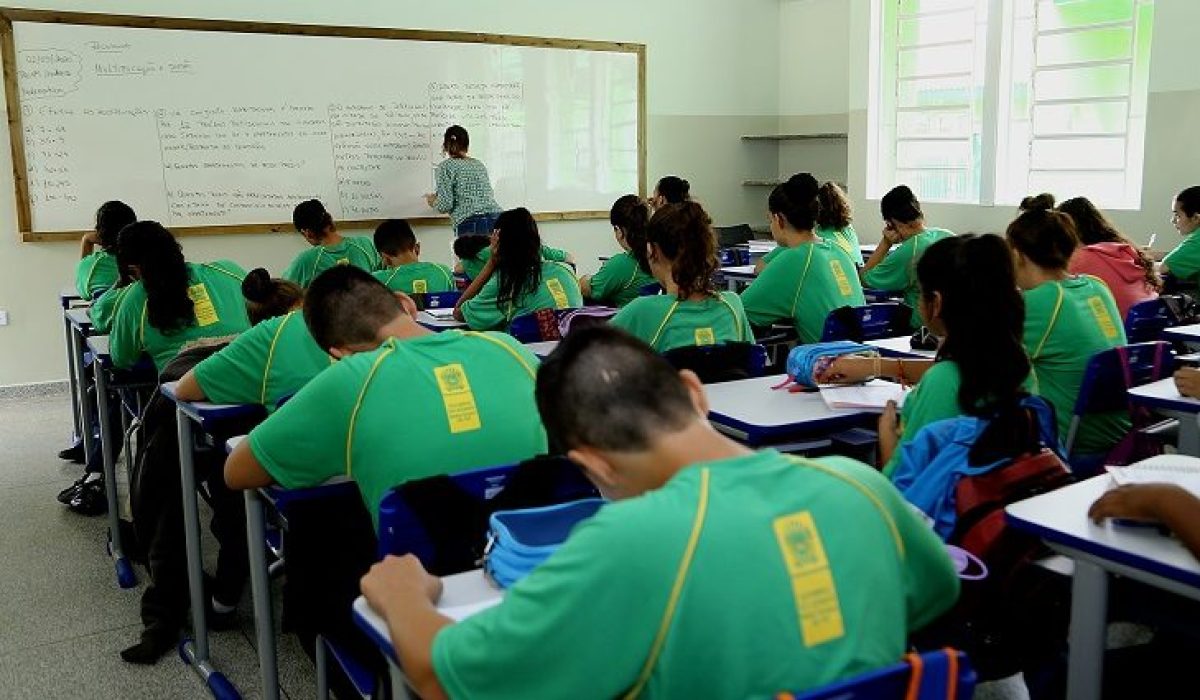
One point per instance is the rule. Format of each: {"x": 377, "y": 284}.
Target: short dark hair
{"x": 1045, "y": 236}
{"x": 310, "y": 215}
{"x": 468, "y": 247}
{"x": 603, "y": 388}
{"x": 345, "y": 305}
{"x": 674, "y": 189}
{"x": 1189, "y": 200}
{"x": 457, "y": 141}
{"x": 111, "y": 217}
{"x": 796, "y": 201}
{"x": 900, "y": 204}
{"x": 394, "y": 237}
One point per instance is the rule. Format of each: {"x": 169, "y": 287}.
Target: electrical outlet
{"x": 3, "y": 317}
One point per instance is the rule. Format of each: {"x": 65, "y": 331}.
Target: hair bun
{"x": 803, "y": 186}
{"x": 1039, "y": 202}
{"x": 258, "y": 286}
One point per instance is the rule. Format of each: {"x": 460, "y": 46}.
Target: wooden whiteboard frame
{"x": 16, "y": 132}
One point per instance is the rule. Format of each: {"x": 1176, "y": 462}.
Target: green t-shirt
{"x": 934, "y": 398}
{"x": 468, "y": 396}
{"x": 1184, "y": 261}
{"x": 846, "y": 239}
{"x": 95, "y": 274}
{"x": 619, "y": 281}
{"x": 358, "y": 251}
{"x": 473, "y": 266}
{"x": 103, "y": 308}
{"x": 219, "y": 313}
{"x": 665, "y": 323}
{"x": 557, "y": 289}
{"x": 898, "y": 271}
{"x": 1066, "y": 323}
{"x": 803, "y": 284}
{"x": 781, "y": 592}
{"x": 263, "y": 365}
{"x": 417, "y": 278}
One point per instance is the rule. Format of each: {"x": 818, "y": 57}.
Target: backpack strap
{"x": 938, "y": 679}
{"x": 1053, "y": 320}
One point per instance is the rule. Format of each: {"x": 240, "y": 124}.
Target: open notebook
{"x": 1170, "y": 469}
{"x": 872, "y": 396}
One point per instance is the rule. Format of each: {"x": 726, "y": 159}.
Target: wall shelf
{"x": 832, "y": 136}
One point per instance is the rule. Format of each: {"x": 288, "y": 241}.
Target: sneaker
{"x": 74, "y": 453}
{"x": 68, "y": 494}
{"x": 155, "y": 642}
{"x": 90, "y": 500}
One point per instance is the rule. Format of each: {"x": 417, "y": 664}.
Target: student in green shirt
{"x": 1068, "y": 319}
{"x": 474, "y": 251}
{"x": 620, "y": 279}
{"x": 670, "y": 189}
{"x": 904, "y": 228}
{"x": 267, "y": 363}
{"x": 653, "y": 596}
{"x": 97, "y": 269}
{"x": 834, "y": 215}
{"x": 461, "y": 400}
{"x": 172, "y": 304}
{"x": 403, "y": 270}
{"x": 681, "y": 251}
{"x": 516, "y": 279}
{"x": 329, "y": 248}
{"x": 1184, "y": 261}
{"x": 811, "y": 277}
{"x": 969, "y": 298}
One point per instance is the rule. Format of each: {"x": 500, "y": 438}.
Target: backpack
{"x": 556, "y": 324}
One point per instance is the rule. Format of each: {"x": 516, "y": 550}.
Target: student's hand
{"x": 406, "y": 302}
{"x": 847, "y": 370}
{"x": 1145, "y": 502}
{"x": 431, "y": 200}
{"x": 396, "y": 581}
{"x": 1187, "y": 380}
{"x": 889, "y": 428}
{"x": 91, "y": 237}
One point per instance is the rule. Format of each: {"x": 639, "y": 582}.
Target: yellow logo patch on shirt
{"x": 1103, "y": 318}
{"x": 559, "y": 294}
{"x": 705, "y": 336}
{"x": 343, "y": 261}
{"x": 458, "y": 398}
{"x": 839, "y": 275}
{"x": 206, "y": 313}
{"x": 420, "y": 286}
{"x": 812, "y": 581}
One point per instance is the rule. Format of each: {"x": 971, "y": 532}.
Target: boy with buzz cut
{"x": 401, "y": 403}
{"x": 720, "y": 572}
{"x": 403, "y": 270}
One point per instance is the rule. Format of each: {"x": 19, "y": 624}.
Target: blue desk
{"x": 1142, "y": 554}
{"x": 68, "y": 298}
{"x": 737, "y": 276}
{"x": 1163, "y": 397}
{"x": 542, "y": 348}
{"x": 750, "y": 411}
{"x": 1189, "y": 335}
{"x": 207, "y": 417}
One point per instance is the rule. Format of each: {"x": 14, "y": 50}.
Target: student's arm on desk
{"x": 400, "y": 590}
{"x": 188, "y": 389}
{"x": 243, "y": 470}
{"x": 1168, "y": 504}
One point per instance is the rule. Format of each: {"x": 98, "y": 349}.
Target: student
{"x": 620, "y": 279}
{"x": 1110, "y": 256}
{"x": 172, "y": 304}
{"x": 464, "y": 190}
{"x": 96, "y": 272}
{"x": 1044, "y": 200}
{"x": 834, "y": 215}
{"x": 473, "y": 252}
{"x": 651, "y": 597}
{"x": 516, "y": 280}
{"x": 671, "y": 189}
{"x": 1068, "y": 319}
{"x": 810, "y": 277}
{"x": 403, "y": 270}
{"x": 401, "y": 403}
{"x": 269, "y": 362}
{"x": 904, "y": 227}
{"x": 1172, "y": 506}
{"x": 329, "y": 248}
{"x": 1184, "y": 261}
{"x": 969, "y": 298}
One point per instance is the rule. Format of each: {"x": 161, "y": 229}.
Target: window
{"x": 986, "y": 101}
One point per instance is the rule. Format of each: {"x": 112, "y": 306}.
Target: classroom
{"x": 801, "y": 349}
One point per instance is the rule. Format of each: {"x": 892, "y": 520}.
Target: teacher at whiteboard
{"x": 463, "y": 188}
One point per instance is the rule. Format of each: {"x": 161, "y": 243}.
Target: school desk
{"x": 207, "y": 417}
{"x": 1163, "y": 397}
{"x": 1189, "y": 335}
{"x": 737, "y": 276}
{"x": 433, "y": 323}
{"x": 460, "y": 593}
{"x": 69, "y": 298}
{"x": 751, "y": 411}
{"x": 901, "y": 347}
{"x": 542, "y": 348}
{"x": 1139, "y": 553}
{"x": 78, "y": 326}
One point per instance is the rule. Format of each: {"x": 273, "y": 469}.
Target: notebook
{"x": 872, "y": 396}
{"x": 458, "y": 613}
{"x": 444, "y": 313}
{"x": 1169, "y": 469}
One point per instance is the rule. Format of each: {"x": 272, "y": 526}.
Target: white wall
{"x": 712, "y": 76}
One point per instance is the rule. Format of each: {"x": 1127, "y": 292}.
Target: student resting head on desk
{"x": 904, "y": 230}
{"x": 516, "y": 280}
{"x": 1068, "y": 319}
{"x": 267, "y": 363}
{"x": 651, "y": 596}
{"x": 621, "y": 278}
{"x": 968, "y": 298}
{"x": 812, "y": 278}
{"x": 1105, "y": 253}
{"x": 1184, "y": 261}
{"x": 463, "y": 400}
{"x": 328, "y": 247}
{"x": 96, "y": 271}
{"x": 403, "y": 270}
{"x": 681, "y": 251}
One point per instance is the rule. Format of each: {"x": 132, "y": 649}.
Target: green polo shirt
{"x": 1184, "y": 261}
{"x": 358, "y": 251}
{"x": 780, "y": 591}
{"x": 417, "y": 278}
{"x": 95, "y": 274}
{"x": 665, "y": 323}
{"x": 219, "y": 314}
{"x": 263, "y": 365}
{"x": 436, "y": 404}
{"x": 558, "y": 288}
{"x": 104, "y": 307}
{"x": 473, "y": 266}
{"x": 619, "y": 281}
{"x": 803, "y": 284}
{"x": 898, "y": 271}
{"x": 846, "y": 239}
{"x": 934, "y": 398}
{"x": 1066, "y": 323}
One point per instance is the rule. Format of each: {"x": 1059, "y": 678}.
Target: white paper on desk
{"x": 871, "y": 397}
{"x": 458, "y": 613}
{"x": 1179, "y": 470}
{"x": 444, "y": 313}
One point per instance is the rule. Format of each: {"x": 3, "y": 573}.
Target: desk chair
{"x": 436, "y": 300}
{"x": 733, "y": 257}
{"x": 1106, "y": 383}
{"x": 1146, "y": 320}
{"x": 870, "y": 322}
{"x": 650, "y": 290}
{"x": 720, "y": 363}
{"x": 555, "y": 324}
{"x": 934, "y": 675}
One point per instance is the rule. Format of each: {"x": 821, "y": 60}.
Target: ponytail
{"x": 833, "y": 207}
{"x": 268, "y": 298}
{"x": 631, "y": 214}
{"x": 683, "y": 234}
{"x": 163, "y": 273}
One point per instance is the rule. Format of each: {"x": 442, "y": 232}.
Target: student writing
{"x": 403, "y": 270}
{"x": 329, "y": 248}
{"x": 621, "y": 279}
{"x": 633, "y": 601}
{"x": 1109, "y": 256}
{"x": 464, "y": 190}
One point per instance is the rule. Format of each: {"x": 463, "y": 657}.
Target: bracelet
{"x": 876, "y": 367}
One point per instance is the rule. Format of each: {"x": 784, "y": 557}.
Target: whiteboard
{"x": 211, "y": 131}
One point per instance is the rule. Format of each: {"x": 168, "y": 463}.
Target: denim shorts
{"x": 477, "y": 225}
